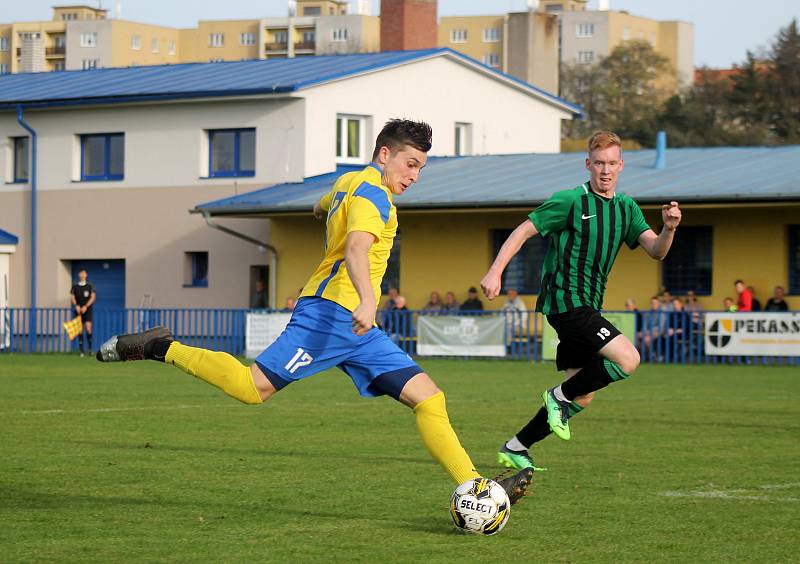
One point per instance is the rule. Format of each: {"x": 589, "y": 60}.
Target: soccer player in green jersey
{"x": 586, "y": 226}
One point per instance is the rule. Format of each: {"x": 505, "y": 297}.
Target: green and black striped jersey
{"x": 586, "y": 232}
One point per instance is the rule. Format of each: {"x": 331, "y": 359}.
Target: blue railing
{"x": 661, "y": 337}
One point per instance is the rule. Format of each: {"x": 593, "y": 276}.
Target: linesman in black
{"x": 83, "y": 298}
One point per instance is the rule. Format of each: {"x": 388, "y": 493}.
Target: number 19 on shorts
{"x": 299, "y": 360}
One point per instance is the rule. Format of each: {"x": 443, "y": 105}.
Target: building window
{"x": 89, "y": 39}
{"x": 463, "y": 141}
{"x": 312, "y": 11}
{"x": 3, "y": 68}
{"x": 339, "y": 34}
{"x": 171, "y": 48}
{"x": 554, "y": 8}
{"x": 281, "y": 37}
{"x": 491, "y": 35}
{"x": 350, "y": 137}
{"x": 58, "y": 66}
{"x": 247, "y": 39}
{"x": 216, "y": 40}
{"x": 626, "y": 33}
{"x": 458, "y": 36}
{"x": 32, "y": 35}
{"x": 309, "y": 37}
{"x": 136, "y": 42}
{"x": 391, "y": 279}
{"x": 232, "y": 152}
{"x": 584, "y": 30}
{"x": 154, "y": 45}
{"x": 21, "y": 159}
{"x": 89, "y": 64}
{"x": 195, "y": 269}
{"x": 216, "y": 60}
{"x": 103, "y": 156}
{"x": 491, "y": 60}
{"x": 3, "y": 43}
{"x": 688, "y": 264}
{"x": 794, "y": 259}
{"x": 60, "y": 41}
{"x": 524, "y": 272}
{"x": 585, "y": 56}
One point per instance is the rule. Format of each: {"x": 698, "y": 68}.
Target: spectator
{"x": 259, "y": 298}
{"x": 289, "y": 307}
{"x": 745, "y": 299}
{"x": 654, "y": 324}
{"x": 473, "y": 303}
{"x": 692, "y": 303}
{"x": 398, "y": 322}
{"x": 728, "y": 305}
{"x": 450, "y": 303}
{"x": 676, "y": 333}
{"x": 756, "y": 302}
{"x": 516, "y": 312}
{"x": 434, "y": 304}
{"x": 391, "y": 296}
{"x": 776, "y": 302}
{"x": 83, "y": 298}
{"x": 630, "y": 305}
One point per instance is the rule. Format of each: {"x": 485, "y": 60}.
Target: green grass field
{"x": 139, "y": 462}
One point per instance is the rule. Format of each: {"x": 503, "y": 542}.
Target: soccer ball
{"x": 480, "y": 506}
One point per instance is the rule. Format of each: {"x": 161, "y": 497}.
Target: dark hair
{"x": 400, "y": 132}
{"x": 83, "y": 270}
{"x": 738, "y": 282}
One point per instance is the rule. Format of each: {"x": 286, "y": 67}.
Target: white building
{"x": 123, "y": 154}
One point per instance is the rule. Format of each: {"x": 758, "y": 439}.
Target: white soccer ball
{"x": 480, "y": 506}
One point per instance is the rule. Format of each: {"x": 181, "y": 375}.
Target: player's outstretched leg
{"x": 217, "y": 368}
{"x": 441, "y": 441}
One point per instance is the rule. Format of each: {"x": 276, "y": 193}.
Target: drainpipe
{"x": 661, "y": 150}
{"x": 29, "y": 129}
{"x": 262, "y": 246}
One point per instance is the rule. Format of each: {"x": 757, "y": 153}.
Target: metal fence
{"x": 661, "y": 337}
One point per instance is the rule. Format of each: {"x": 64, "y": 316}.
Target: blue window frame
{"x": 688, "y": 265}
{"x": 21, "y": 159}
{"x": 231, "y": 152}
{"x": 794, "y": 259}
{"x": 197, "y": 262}
{"x": 524, "y": 272}
{"x": 103, "y": 156}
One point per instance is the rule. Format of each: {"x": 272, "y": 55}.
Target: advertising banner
{"x": 466, "y": 335}
{"x": 262, "y": 329}
{"x": 753, "y": 334}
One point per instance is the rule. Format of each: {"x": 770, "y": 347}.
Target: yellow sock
{"x": 217, "y": 368}
{"x": 441, "y": 441}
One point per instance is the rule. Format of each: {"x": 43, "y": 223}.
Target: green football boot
{"x": 516, "y": 459}
{"x": 557, "y": 415}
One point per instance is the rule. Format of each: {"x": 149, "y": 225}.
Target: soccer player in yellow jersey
{"x": 333, "y": 323}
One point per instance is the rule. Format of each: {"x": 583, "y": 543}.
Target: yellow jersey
{"x": 358, "y": 201}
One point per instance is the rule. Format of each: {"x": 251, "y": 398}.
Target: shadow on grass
{"x": 18, "y": 499}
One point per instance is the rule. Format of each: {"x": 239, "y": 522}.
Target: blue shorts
{"x": 320, "y": 336}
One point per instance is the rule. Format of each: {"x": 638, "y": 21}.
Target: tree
{"x": 783, "y": 85}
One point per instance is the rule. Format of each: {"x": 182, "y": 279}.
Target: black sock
{"x": 590, "y": 378}
{"x": 157, "y": 349}
{"x": 536, "y": 429}
{"x": 89, "y": 340}
{"x": 80, "y": 343}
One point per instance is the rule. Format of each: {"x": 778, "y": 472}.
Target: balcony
{"x": 55, "y": 51}
{"x": 277, "y": 46}
{"x": 305, "y": 46}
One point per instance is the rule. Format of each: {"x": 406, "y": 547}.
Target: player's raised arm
{"x": 492, "y": 281}
{"x": 657, "y": 246}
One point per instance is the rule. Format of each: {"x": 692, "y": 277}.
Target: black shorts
{"x": 581, "y": 333}
{"x": 87, "y": 315}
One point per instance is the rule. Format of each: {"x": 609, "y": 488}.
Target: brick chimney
{"x": 408, "y": 24}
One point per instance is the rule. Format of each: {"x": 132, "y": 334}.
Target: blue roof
{"x": 7, "y": 238}
{"x": 721, "y": 174}
{"x": 235, "y": 78}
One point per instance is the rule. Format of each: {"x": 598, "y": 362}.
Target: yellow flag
{"x": 74, "y": 327}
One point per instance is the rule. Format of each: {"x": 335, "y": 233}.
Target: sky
{"x": 723, "y": 29}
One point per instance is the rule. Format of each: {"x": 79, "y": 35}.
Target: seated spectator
{"x": 290, "y": 303}
{"x": 450, "y": 303}
{"x": 776, "y": 302}
{"x": 259, "y": 298}
{"x": 728, "y": 305}
{"x": 653, "y": 327}
{"x": 745, "y": 299}
{"x": 434, "y": 303}
{"x": 472, "y": 303}
{"x": 630, "y": 305}
{"x": 391, "y": 296}
{"x": 398, "y": 323}
{"x": 516, "y": 312}
{"x": 756, "y": 302}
